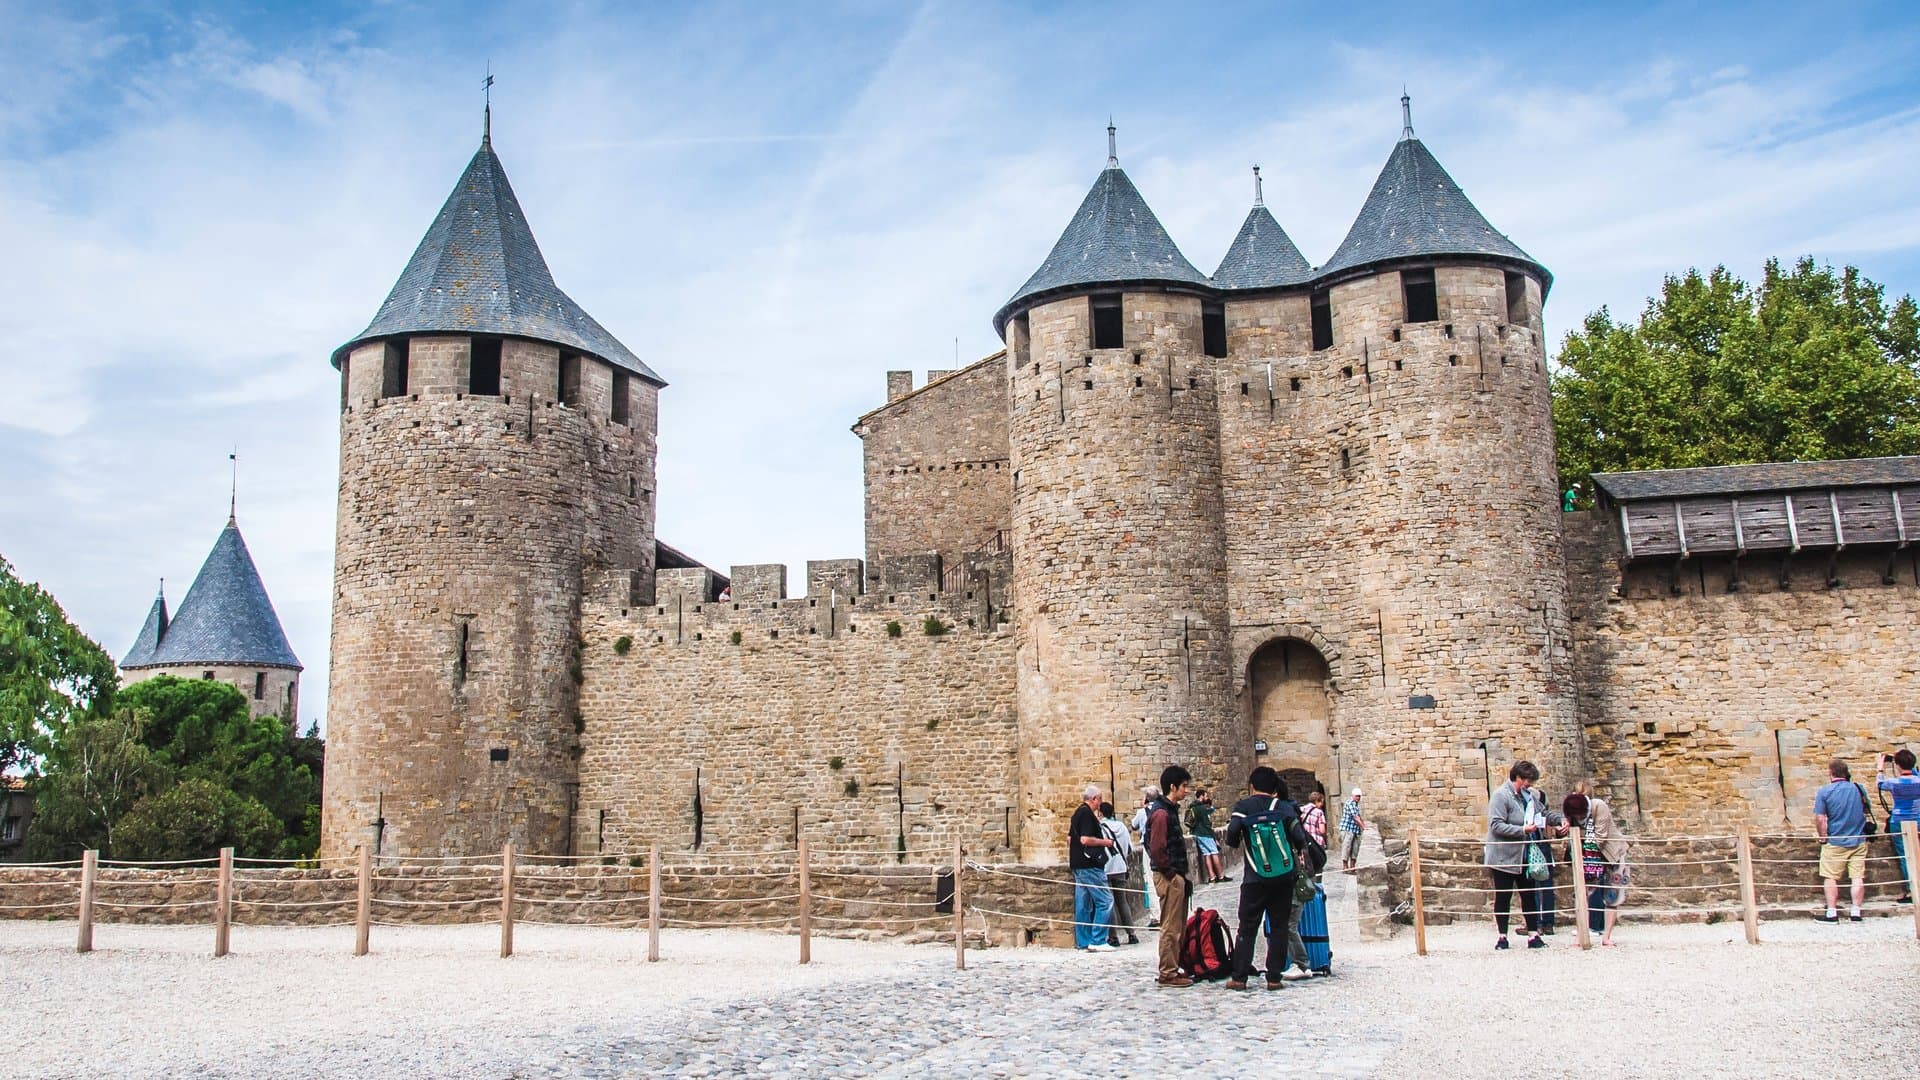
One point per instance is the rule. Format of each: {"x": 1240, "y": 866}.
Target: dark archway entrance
{"x": 1290, "y": 709}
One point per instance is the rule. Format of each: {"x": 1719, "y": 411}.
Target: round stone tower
{"x": 1120, "y": 588}
{"x": 497, "y": 451}
{"x": 1391, "y": 485}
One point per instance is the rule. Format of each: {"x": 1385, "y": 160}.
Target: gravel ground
{"x": 582, "y": 1002}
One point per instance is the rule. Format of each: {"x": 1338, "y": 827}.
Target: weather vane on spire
{"x": 1406, "y": 115}
{"x": 486, "y": 121}
{"x": 1113, "y": 151}
{"x": 1259, "y": 194}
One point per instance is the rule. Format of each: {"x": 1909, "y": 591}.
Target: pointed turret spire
{"x": 486, "y": 114}
{"x": 478, "y": 270}
{"x": 1262, "y": 255}
{"x": 1416, "y": 210}
{"x": 225, "y": 618}
{"x": 1113, "y": 239}
{"x": 152, "y": 632}
{"x": 1113, "y": 145}
{"x": 1406, "y": 115}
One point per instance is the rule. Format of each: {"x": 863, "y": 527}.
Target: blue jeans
{"x": 1092, "y": 906}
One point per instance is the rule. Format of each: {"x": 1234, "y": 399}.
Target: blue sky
{"x": 774, "y": 204}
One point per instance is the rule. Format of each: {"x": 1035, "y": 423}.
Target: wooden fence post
{"x": 1582, "y": 935}
{"x": 506, "y": 900}
{"x": 363, "y": 903}
{"x": 89, "y": 866}
{"x": 1749, "y": 903}
{"x": 1419, "y": 893}
{"x": 806, "y": 905}
{"x": 959, "y": 912}
{"x": 223, "y": 902}
{"x": 1910, "y": 838}
{"x": 653, "y": 903}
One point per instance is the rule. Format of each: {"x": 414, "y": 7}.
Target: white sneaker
{"x": 1102, "y": 947}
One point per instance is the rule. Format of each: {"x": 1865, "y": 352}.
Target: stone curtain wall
{"x": 811, "y": 679}
{"x": 1397, "y": 512}
{"x": 1120, "y": 585}
{"x": 852, "y": 896}
{"x": 472, "y": 519}
{"x": 1697, "y": 699}
{"x": 935, "y": 465}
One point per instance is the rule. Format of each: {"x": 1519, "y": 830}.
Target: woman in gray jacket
{"x": 1516, "y": 818}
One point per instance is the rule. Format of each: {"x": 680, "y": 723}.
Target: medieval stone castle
{"x": 1299, "y": 515}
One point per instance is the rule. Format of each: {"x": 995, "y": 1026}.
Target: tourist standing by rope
{"x": 1840, "y": 820}
{"x": 1352, "y": 825}
{"x": 1147, "y": 795}
{"x": 1117, "y": 862}
{"x": 1515, "y": 826}
{"x": 1904, "y": 786}
{"x": 1092, "y": 903}
{"x": 1602, "y": 859}
{"x": 1200, "y": 824}
{"x": 1167, "y": 853}
{"x": 1269, "y": 826}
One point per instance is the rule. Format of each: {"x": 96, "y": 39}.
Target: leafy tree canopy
{"x": 50, "y": 672}
{"x": 1812, "y": 365}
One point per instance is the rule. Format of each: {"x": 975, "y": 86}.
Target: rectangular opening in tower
{"x": 1422, "y": 300}
{"x": 1517, "y": 299}
{"x": 622, "y": 393}
{"x": 483, "y": 367}
{"x": 259, "y": 686}
{"x": 346, "y": 380}
{"x": 393, "y": 371}
{"x": 1213, "y": 329}
{"x": 568, "y": 392}
{"x": 1322, "y": 321}
{"x": 1108, "y": 326}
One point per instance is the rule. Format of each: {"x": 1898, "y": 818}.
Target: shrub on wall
{"x": 934, "y": 627}
{"x": 734, "y": 637}
{"x": 852, "y": 788}
{"x": 621, "y": 644}
{"x": 893, "y": 628}
{"x": 836, "y": 763}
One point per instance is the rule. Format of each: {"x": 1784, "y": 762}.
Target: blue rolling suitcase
{"x": 1313, "y": 933}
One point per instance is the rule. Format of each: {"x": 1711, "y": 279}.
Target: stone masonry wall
{"x": 1698, "y": 700}
{"x": 1120, "y": 584}
{"x": 466, "y": 526}
{"x": 935, "y": 464}
{"x": 798, "y": 713}
{"x": 280, "y": 696}
{"x": 1392, "y": 504}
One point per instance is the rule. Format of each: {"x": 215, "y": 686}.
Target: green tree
{"x": 90, "y": 778}
{"x": 50, "y": 673}
{"x": 1812, "y": 365}
{"x": 195, "y": 819}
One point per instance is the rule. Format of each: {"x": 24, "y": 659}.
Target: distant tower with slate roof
{"x": 225, "y": 629}
{"x": 496, "y": 454}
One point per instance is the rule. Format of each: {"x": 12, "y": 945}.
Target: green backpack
{"x": 1269, "y": 851}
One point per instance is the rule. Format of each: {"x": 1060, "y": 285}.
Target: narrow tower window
{"x": 1322, "y": 321}
{"x": 259, "y": 686}
{"x": 460, "y": 653}
{"x": 622, "y": 408}
{"x": 1417, "y": 291}
{"x": 1517, "y": 299}
{"x": 1108, "y": 328}
{"x": 569, "y": 388}
{"x": 1213, "y": 328}
{"x": 483, "y": 367}
{"x": 1020, "y": 340}
{"x": 393, "y": 373}
{"x": 346, "y": 380}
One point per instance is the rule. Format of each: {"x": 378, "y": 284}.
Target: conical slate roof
{"x": 479, "y": 271}
{"x": 226, "y": 617}
{"x": 1415, "y": 209}
{"x": 1113, "y": 238}
{"x": 151, "y": 632}
{"x": 1263, "y": 256}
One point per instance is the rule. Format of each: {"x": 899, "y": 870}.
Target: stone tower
{"x": 496, "y": 450}
{"x": 1120, "y": 586}
{"x": 225, "y": 629}
{"x": 1390, "y": 488}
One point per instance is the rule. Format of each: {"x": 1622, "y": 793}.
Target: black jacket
{"x": 1304, "y": 849}
{"x": 1166, "y": 844}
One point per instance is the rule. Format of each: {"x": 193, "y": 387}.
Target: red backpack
{"x": 1206, "y": 949}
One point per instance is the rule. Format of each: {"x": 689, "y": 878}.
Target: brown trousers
{"x": 1171, "y": 890}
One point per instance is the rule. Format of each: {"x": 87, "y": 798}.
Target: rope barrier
{"x": 878, "y": 903}
{"x": 433, "y": 903}
{"x": 64, "y": 905}
{"x": 75, "y": 863}
{"x": 637, "y": 899}
{"x": 434, "y": 880}
{"x": 145, "y": 907}
{"x": 293, "y": 903}
{"x": 136, "y": 864}
{"x": 682, "y": 924}
{"x": 913, "y": 919}
{"x": 669, "y": 898}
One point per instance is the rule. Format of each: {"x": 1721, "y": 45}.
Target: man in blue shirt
{"x": 1840, "y": 817}
{"x": 1904, "y": 786}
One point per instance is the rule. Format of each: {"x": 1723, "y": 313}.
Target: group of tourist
{"x": 1520, "y": 856}
{"x": 1286, "y": 844}
{"x": 1844, "y": 822}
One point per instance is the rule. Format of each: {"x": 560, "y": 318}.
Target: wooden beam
{"x": 1839, "y": 534}
{"x": 1626, "y": 531}
{"x": 1419, "y": 894}
{"x": 89, "y": 868}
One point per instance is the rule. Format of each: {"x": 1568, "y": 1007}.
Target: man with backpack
{"x": 1840, "y": 818}
{"x": 1277, "y": 846}
{"x": 1167, "y": 855}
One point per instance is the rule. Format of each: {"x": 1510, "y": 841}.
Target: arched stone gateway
{"x": 1289, "y": 703}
